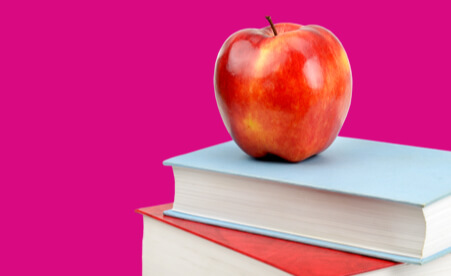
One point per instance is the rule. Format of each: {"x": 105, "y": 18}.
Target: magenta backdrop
{"x": 95, "y": 95}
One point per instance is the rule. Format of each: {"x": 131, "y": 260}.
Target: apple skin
{"x": 286, "y": 95}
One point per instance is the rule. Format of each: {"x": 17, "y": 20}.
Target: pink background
{"x": 95, "y": 95}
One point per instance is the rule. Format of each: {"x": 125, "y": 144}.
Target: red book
{"x": 280, "y": 255}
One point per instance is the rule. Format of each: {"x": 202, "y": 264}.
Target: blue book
{"x": 378, "y": 199}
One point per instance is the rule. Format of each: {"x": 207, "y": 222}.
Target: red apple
{"x": 283, "y": 90}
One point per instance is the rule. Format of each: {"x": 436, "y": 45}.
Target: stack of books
{"x": 359, "y": 208}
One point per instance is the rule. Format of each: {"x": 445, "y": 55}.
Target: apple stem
{"x": 272, "y": 25}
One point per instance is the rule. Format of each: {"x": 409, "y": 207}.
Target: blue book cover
{"x": 404, "y": 174}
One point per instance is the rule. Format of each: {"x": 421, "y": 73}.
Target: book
{"x": 378, "y": 199}
{"x": 174, "y": 246}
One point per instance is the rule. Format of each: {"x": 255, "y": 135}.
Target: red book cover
{"x": 291, "y": 257}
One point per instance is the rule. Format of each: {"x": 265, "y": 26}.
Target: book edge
{"x": 436, "y": 255}
{"x": 292, "y": 237}
{"x": 417, "y": 204}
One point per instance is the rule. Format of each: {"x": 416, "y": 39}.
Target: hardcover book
{"x": 174, "y": 246}
{"x": 378, "y": 199}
